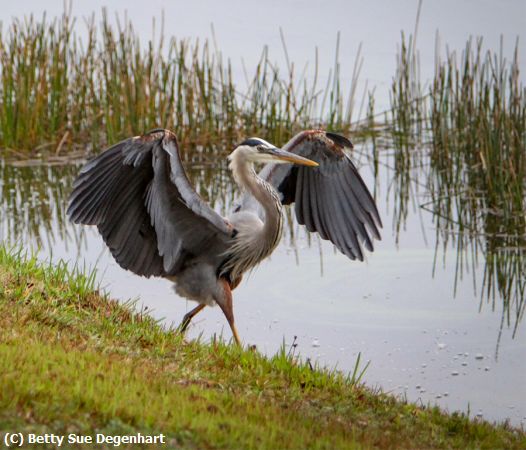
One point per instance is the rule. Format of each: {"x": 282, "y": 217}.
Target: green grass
{"x": 73, "y": 361}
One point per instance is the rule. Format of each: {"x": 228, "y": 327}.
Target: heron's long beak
{"x": 283, "y": 155}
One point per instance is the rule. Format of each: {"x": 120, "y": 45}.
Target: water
{"x": 422, "y": 340}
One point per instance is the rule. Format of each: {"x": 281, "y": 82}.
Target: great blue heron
{"x": 155, "y": 224}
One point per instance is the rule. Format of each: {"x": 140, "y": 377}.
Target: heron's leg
{"x": 189, "y": 316}
{"x": 225, "y": 303}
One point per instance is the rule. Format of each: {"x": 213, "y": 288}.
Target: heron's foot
{"x": 235, "y": 334}
{"x": 188, "y": 318}
{"x": 225, "y": 303}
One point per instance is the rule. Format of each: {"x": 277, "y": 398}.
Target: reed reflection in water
{"x": 459, "y": 153}
{"x": 34, "y": 198}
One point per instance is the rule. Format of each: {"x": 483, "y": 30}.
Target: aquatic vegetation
{"x": 461, "y": 142}
{"x": 59, "y": 92}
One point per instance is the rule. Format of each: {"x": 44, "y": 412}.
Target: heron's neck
{"x": 246, "y": 178}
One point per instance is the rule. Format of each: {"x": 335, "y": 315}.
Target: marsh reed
{"x": 461, "y": 142}
{"x": 59, "y": 92}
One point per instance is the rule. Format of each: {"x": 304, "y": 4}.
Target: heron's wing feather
{"x": 183, "y": 222}
{"x": 138, "y": 195}
{"x": 331, "y": 199}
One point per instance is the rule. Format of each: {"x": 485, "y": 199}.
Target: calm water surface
{"x": 422, "y": 341}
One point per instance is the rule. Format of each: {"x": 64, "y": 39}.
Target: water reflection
{"x": 467, "y": 232}
{"x": 472, "y": 228}
{"x": 388, "y": 310}
{"x": 32, "y": 203}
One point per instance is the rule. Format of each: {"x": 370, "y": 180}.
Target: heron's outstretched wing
{"x": 331, "y": 199}
{"x": 151, "y": 218}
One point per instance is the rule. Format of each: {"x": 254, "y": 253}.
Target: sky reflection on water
{"x": 422, "y": 341}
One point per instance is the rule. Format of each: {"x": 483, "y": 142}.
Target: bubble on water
{"x": 486, "y": 369}
{"x": 418, "y": 386}
{"x": 441, "y": 346}
{"x": 464, "y": 363}
{"x": 466, "y": 354}
{"x": 422, "y": 391}
{"x": 438, "y": 396}
{"x": 479, "y": 356}
{"x": 315, "y": 342}
{"x": 423, "y": 365}
{"x": 454, "y": 373}
{"x": 446, "y": 394}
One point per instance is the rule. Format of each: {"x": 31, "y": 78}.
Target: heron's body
{"x": 254, "y": 239}
{"x": 155, "y": 224}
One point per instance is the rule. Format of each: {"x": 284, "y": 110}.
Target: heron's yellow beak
{"x": 285, "y": 156}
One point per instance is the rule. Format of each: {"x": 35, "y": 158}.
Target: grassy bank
{"x": 73, "y": 361}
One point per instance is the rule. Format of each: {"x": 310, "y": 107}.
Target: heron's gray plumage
{"x": 138, "y": 195}
{"x": 331, "y": 199}
{"x": 256, "y": 237}
{"x": 155, "y": 224}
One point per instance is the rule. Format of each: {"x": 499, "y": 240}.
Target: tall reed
{"x": 462, "y": 141}
{"x": 59, "y": 92}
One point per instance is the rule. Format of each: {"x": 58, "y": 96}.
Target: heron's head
{"x": 258, "y": 150}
